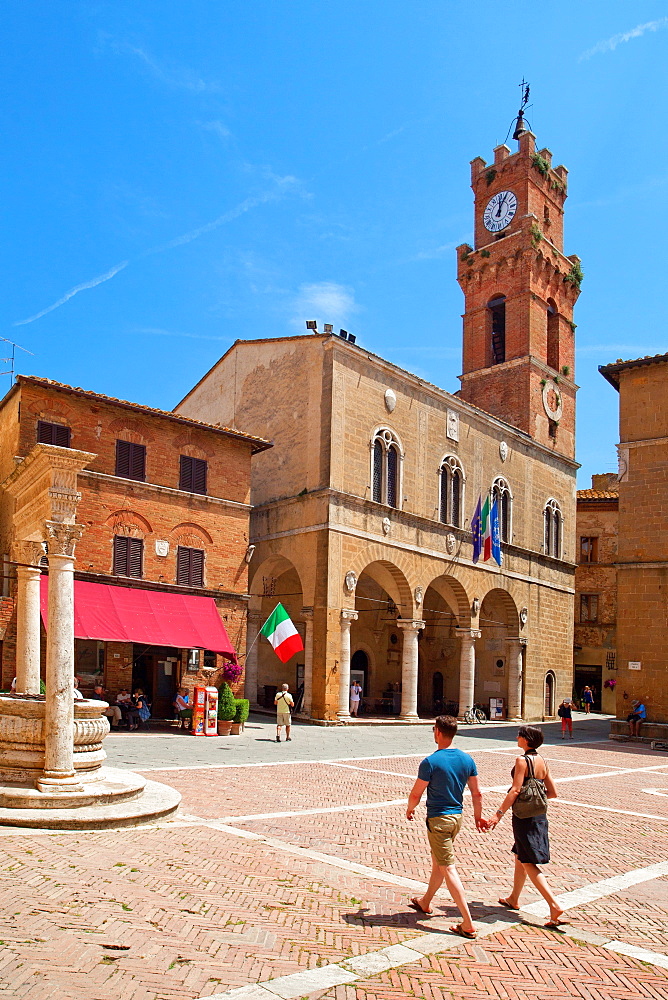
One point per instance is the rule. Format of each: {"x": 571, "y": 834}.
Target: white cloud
{"x": 170, "y": 74}
{"x": 222, "y": 131}
{"x": 326, "y": 302}
{"x": 74, "y": 291}
{"x": 610, "y": 44}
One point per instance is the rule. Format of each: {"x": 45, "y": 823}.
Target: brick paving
{"x": 185, "y": 910}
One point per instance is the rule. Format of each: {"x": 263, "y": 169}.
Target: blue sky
{"x": 178, "y": 175}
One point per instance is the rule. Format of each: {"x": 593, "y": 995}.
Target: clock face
{"x": 500, "y": 211}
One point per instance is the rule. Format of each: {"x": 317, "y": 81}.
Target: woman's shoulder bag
{"x": 532, "y": 799}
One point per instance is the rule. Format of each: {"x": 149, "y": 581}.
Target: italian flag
{"x": 281, "y": 633}
{"x": 486, "y": 530}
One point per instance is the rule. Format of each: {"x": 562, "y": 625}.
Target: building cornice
{"x": 166, "y": 490}
{"x": 415, "y": 520}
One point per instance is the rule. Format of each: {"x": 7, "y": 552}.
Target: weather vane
{"x": 520, "y": 125}
{"x": 9, "y": 360}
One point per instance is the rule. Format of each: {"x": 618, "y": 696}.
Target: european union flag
{"x": 496, "y": 532}
{"x": 476, "y": 530}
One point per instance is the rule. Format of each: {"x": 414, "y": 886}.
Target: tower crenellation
{"x": 520, "y": 290}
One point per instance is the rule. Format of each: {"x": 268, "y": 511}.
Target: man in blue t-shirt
{"x": 445, "y": 774}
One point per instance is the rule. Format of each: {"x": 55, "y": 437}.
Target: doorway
{"x": 591, "y": 675}
{"x": 359, "y": 670}
{"x": 155, "y": 671}
{"x": 548, "y": 708}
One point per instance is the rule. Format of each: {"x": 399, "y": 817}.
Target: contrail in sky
{"x": 610, "y": 44}
{"x": 283, "y": 183}
{"x": 74, "y": 291}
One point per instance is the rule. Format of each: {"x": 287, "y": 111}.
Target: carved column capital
{"x": 470, "y": 634}
{"x": 348, "y": 616}
{"x": 307, "y": 614}
{"x": 28, "y": 553}
{"x": 522, "y": 640}
{"x": 410, "y": 625}
{"x": 62, "y": 538}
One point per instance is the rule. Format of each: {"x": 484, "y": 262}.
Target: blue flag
{"x": 496, "y": 532}
{"x": 476, "y": 531}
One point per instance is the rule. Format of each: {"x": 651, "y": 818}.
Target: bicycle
{"x": 473, "y": 715}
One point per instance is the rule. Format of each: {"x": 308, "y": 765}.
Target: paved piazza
{"x": 290, "y": 867}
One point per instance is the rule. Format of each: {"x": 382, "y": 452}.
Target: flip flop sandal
{"x": 504, "y": 902}
{"x": 554, "y": 925}
{"x": 458, "y": 929}
{"x": 415, "y": 905}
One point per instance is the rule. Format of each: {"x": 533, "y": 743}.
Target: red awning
{"x": 126, "y": 614}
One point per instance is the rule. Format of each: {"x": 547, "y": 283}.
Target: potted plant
{"x": 240, "y": 716}
{"x": 226, "y": 709}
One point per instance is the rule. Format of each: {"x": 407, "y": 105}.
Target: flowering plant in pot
{"x": 232, "y": 671}
{"x": 240, "y": 716}
{"x": 226, "y": 709}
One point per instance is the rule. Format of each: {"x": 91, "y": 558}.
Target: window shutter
{"x": 392, "y": 476}
{"x": 137, "y": 461}
{"x": 48, "y": 433}
{"x": 198, "y": 476}
{"x": 61, "y": 435}
{"x": 182, "y": 566}
{"x": 123, "y": 459}
{"x": 120, "y": 555}
{"x": 196, "y": 568}
{"x": 505, "y": 516}
{"x": 135, "y": 553}
{"x": 189, "y": 567}
{"x": 186, "y": 475}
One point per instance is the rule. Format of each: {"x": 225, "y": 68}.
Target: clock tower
{"x": 520, "y": 289}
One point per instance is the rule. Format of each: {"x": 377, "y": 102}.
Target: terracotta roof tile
{"x": 597, "y": 495}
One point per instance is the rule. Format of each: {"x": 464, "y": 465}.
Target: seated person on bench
{"x": 113, "y": 712}
{"x": 637, "y": 715}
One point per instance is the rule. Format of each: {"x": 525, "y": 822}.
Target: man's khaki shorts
{"x": 442, "y": 831}
{"x": 282, "y": 718}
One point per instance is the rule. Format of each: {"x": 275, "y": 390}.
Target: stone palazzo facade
{"x": 392, "y": 589}
{"x": 362, "y": 510}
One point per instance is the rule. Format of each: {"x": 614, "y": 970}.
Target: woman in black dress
{"x": 532, "y": 846}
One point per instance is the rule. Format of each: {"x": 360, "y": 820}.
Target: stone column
{"x": 307, "y": 615}
{"x": 466, "y": 668}
{"x": 253, "y": 625}
{"x": 348, "y": 616}
{"x": 515, "y": 677}
{"x": 28, "y": 617}
{"x": 409, "y": 667}
{"x": 59, "y": 774}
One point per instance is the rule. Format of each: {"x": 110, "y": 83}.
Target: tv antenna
{"x": 521, "y": 126}
{"x": 11, "y": 358}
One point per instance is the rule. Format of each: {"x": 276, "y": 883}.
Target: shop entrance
{"x": 155, "y": 671}
{"x": 591, "y": 675}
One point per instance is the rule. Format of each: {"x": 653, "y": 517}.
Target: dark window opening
{"x": 552, "y": 335}
{"x": 128, "y": 556}
{"x": 378, "y": 472}
{"x": 48, "y": 433}
{"x": 189, "y": 567}
{"x": 192, "y": 474}
{"x": 552, "y": 428}
{"x": 497, "y": 309}
{"x": 392, "y": 467}
{"x": 130, "y": 460}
